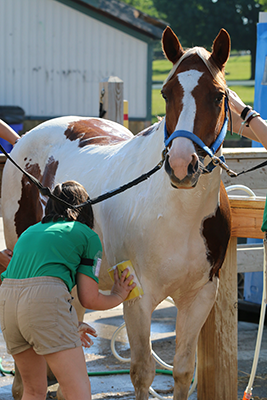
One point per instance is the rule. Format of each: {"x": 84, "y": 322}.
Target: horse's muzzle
{"x": 189, "y": 181}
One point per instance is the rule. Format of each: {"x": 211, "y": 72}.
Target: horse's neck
{"x": 143, "y": 152}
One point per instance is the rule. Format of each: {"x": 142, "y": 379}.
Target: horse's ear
{"x": 221, "y": 48}
{"x": 171, "y": 46}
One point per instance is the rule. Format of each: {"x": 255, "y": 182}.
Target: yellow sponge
{"x": 137, "y": 291}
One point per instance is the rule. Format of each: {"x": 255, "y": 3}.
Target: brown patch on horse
{"x": 217, "y": 232}
{"x": 30, "y": 204}
{"x": 94, "y": 131}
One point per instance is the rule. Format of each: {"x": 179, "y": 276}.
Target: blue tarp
{"x": 253, "y": 281}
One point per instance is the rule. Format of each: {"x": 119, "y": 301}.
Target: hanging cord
{"x": 46, "y": 191}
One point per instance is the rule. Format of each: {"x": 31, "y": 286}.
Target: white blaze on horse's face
{"x": 182, "y": 152}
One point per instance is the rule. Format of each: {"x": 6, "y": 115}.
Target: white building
{"x": 54, "y": 54}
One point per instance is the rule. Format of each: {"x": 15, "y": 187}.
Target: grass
{"x": 237, "y": 68}
{"x": 161, "y": 68}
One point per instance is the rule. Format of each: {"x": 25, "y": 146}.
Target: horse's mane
{"x": 206, "y": 58}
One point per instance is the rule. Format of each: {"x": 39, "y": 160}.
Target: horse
{"x": 174, "y": 226}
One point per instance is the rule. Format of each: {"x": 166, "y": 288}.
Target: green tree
{"x": 197, "y": 22}
{"x": 146, "y": 6}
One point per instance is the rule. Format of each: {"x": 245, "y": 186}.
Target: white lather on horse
{"x": 174, "y": 227}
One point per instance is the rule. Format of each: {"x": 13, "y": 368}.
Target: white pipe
{"x": 240, "y": 187}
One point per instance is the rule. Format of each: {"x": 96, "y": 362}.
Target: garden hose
{"x": 4, "y": 371}
{"x": 92, "y": 373}
{"x": 125, "y": 371}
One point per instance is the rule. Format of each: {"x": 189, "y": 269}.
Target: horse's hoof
{"x": 17, "y": 393}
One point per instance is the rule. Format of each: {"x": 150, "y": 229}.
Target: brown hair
{"x": 75, "y": 194}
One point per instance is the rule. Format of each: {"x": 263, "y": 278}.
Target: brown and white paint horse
{"x": 176, "y": 238}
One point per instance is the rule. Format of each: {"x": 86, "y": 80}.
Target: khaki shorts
{"x": 37, "y": 313}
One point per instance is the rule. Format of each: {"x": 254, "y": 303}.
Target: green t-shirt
{"x": 59, "y": 249}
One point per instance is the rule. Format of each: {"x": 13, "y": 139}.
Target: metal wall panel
{"x": 53, "y": 58}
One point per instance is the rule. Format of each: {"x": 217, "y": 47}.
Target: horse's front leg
{"x": 191, "y": 316}
{"x": 138, "y": 320}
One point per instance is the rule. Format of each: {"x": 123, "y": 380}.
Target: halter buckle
{"x": 217, "y": 161}
{"x": 163, "y": 157}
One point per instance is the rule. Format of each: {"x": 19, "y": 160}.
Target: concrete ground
{"x": 99, "y": 357}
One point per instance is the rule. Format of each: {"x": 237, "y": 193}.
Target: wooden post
{"x": 111, "y": 95}
{"x": 217, "y": 345}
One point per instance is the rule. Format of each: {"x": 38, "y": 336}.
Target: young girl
{"x": 38, "y": 321}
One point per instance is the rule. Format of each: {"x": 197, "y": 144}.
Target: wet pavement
{"x": 101, "y": 361}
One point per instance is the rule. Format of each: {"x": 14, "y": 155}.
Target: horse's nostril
{"x": 190, "y": 169}
{"x": 193, "y": 166}
{"x": 196, "y": 166}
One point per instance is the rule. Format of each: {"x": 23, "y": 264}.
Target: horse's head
{"x": 195, "y": 93}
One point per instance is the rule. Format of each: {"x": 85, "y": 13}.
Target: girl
{"x": 38, "y": 321}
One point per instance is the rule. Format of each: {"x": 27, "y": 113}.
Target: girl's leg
{"x": 70, "y": 370}
{"x": 32, "y": 368}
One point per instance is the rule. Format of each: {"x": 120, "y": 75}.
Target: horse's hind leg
{"x": 17, "y": 386}
{"x": 138, "y": 321}
{"x": 190, "y": 318}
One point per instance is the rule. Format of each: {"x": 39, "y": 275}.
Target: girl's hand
{"x": 236, "y": 104}
{"x": 122, "y": 285}
{"x": 84, "y": 331}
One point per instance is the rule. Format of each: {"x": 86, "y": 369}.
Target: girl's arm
{"x": 92, "y": 299}
{"x": 7, "y": 133}
{"x": 257, "y": 129}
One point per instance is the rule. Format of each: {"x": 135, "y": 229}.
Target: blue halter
{"x": 190, "y": 135}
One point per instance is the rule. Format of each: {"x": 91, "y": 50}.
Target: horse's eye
{"x": 218, "y": 98}
{"x": 163, "y": 95}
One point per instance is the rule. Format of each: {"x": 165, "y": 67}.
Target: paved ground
{"x": 100, "y": 358}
